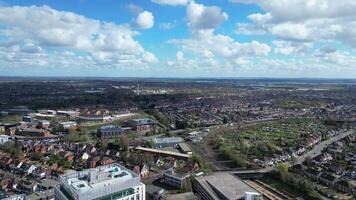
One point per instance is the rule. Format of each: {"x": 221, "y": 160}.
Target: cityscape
{"x": 177, "y": 100}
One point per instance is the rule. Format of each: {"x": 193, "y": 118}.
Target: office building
{"x": 110, "y": 182}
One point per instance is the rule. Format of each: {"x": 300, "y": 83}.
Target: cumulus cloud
{"x": 103, "y": 42}
{"x": 204, "y": 17}
{"x": 145, "y": 20}
{"x": 180, "y": 56}
{"x": 171, "y": 2}
{"x": 208, "y": 44}
{"x": 307, "y": 20}
{"x": 291, "y": 48}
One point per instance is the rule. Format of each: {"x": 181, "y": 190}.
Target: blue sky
{"x": 178, "y": 38}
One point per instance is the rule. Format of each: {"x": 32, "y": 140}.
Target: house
{"x": 110, "y": 131}
{"x": 11, "y": 130}
{"x": 84, "y": 156}
{"x": 93, "y": 162}
{"x": 141, "y": 125}
{"x": 142, "y": 171}
{"x": 40, "y": 172}
{"x": 105, "y": 161}
{"x": 312, "y": 173}
{"x": 67, "y": 155}
{"x": 327, "y": 179}
{"x": 346, "y": 186}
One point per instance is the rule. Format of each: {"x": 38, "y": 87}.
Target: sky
{"x": 178, "y": 38}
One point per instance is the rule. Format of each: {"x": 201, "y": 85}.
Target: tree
{"x": 36, "y": 156}
{"x": 283, "y": 170}
{"x": 314, "y": 195}
{"x": 124, "y": 142}
{"x": 225, "y": 120}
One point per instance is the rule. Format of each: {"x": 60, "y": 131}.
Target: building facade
{"x": 111, "y": 182}
{"x": 110, "y": 131}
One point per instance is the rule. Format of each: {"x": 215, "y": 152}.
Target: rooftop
{"x": 94, "y": 182}
{"x": 225, "y": 184}
{"x": 168, "y": 140}
{"x": 142, "y": 121}
{"x": 109, "y": 127}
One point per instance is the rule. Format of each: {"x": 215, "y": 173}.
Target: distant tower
{"x": 138, "y": 89}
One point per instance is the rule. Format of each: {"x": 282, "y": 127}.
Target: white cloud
{"x": 150, "y": 57}
{"x": 180, "y": 56}
{"x": 304, "y": 20}
{"x": 49, "y": 30}
{"x": 208, "y": 44}
{"x": 204, "y": 17}
{"x": 291, "y": 48}
{"x": 145, "y": 20}
{"x": 171, "y": 2}
{"x": 167, "y": 25}
{"x": 135, "y": 9}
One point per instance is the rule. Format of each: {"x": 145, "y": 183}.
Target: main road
{"x": 317, "y": 150}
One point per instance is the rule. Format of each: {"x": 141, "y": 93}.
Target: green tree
{"x": 124, "y": 143}
{"x": 283, "y": 171}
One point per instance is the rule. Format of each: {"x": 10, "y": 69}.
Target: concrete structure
{"x": 41, "y": 195}
{"x": 110, "y": 131}
{"x": 161, "y": 152}
{"x": 175, "y": 179}
{"x": 253, "y": 196}
{"x": 167, "y": 141}
{"x": 222, "y": 185}
{"x": 181, "y": 196}
{"x": 111, "y": 182}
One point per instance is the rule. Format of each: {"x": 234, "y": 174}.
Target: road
{"x": 317, "y": 149}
